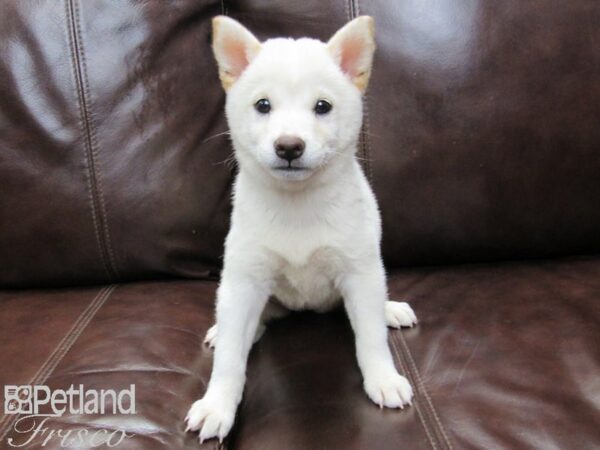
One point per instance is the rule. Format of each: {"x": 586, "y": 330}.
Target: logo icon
{"x": 17, "y": 400}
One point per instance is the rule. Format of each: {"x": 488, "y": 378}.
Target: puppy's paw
{"x": 213, "y": 418}
{"x": 399, "y": 314}
{"x": 211, "y": 335}
{"x": 391, "y": 390}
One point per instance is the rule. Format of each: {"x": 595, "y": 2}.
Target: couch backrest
{"x": 481, "y": 137}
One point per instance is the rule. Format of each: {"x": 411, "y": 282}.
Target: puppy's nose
{"x": 289, "y": 147}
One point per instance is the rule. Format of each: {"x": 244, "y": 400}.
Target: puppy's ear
{"x": 234, "y": 48}
{"x": 352, "y": 47}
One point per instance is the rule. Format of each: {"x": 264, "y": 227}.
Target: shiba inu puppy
{"x": 305, "y": 228}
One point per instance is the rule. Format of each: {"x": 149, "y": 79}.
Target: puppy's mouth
{"x": 290, "y": 168}
{"x": 290, "y": 172}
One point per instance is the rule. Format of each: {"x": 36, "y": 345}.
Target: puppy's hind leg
{"x": 272, "y": 311}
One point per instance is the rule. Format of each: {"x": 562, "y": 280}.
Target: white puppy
{"x": 305, "y": 229}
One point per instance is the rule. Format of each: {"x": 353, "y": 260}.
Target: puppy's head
{"x": 293, "y": 106}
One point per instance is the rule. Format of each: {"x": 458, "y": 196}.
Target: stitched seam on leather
{"x": 440, "y": 428}
{"x": 97, "y": 203}
{"x": 416, "y": 399}
{"x": 220, "y": 445}
{"x": 352, "y": 11}
{"x": 423, "y": 411}
{"x": 89, "y": 182}
{"x": 420, "y": 388}
{"x": 94, "y": 146}
{"x": 366, "y": 148}
{"x": 62, "y": 349}
{"x": 364, "y": 131}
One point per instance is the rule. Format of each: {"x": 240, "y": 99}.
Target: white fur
{"x": 307, "y": 238}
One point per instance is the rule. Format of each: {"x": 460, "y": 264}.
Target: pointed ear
{"x": 234, "y": 48}
{"x": 352, "y": 47}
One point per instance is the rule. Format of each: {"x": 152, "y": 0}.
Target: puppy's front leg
{"x": 365, "y": 294}
{"x": 240, "y": 302}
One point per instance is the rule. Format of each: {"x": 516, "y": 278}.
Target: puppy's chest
{"x": 310, "y": 285}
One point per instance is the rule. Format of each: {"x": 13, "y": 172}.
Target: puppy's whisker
{"x": 210, "y": 138}
{"x": 231, "y": 163}
{"x": 228, "y": 162}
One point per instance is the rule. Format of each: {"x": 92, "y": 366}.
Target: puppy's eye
{"x": 323, "y": 107}
{"x": 263, "y": 106}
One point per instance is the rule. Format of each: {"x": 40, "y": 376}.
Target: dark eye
{"x": 263, "y": 106}
{"x": 322, "y": 107}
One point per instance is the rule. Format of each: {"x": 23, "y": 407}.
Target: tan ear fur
{"x": 352, "y": 47}
{"x": 234, "y": 48}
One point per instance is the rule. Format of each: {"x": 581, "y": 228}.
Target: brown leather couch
{"x": 481, "y": 140}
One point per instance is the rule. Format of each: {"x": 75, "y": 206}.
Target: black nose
{"x": 289, "y": 147}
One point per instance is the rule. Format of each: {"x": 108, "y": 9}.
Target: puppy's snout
{"x": 289, "y": 147}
